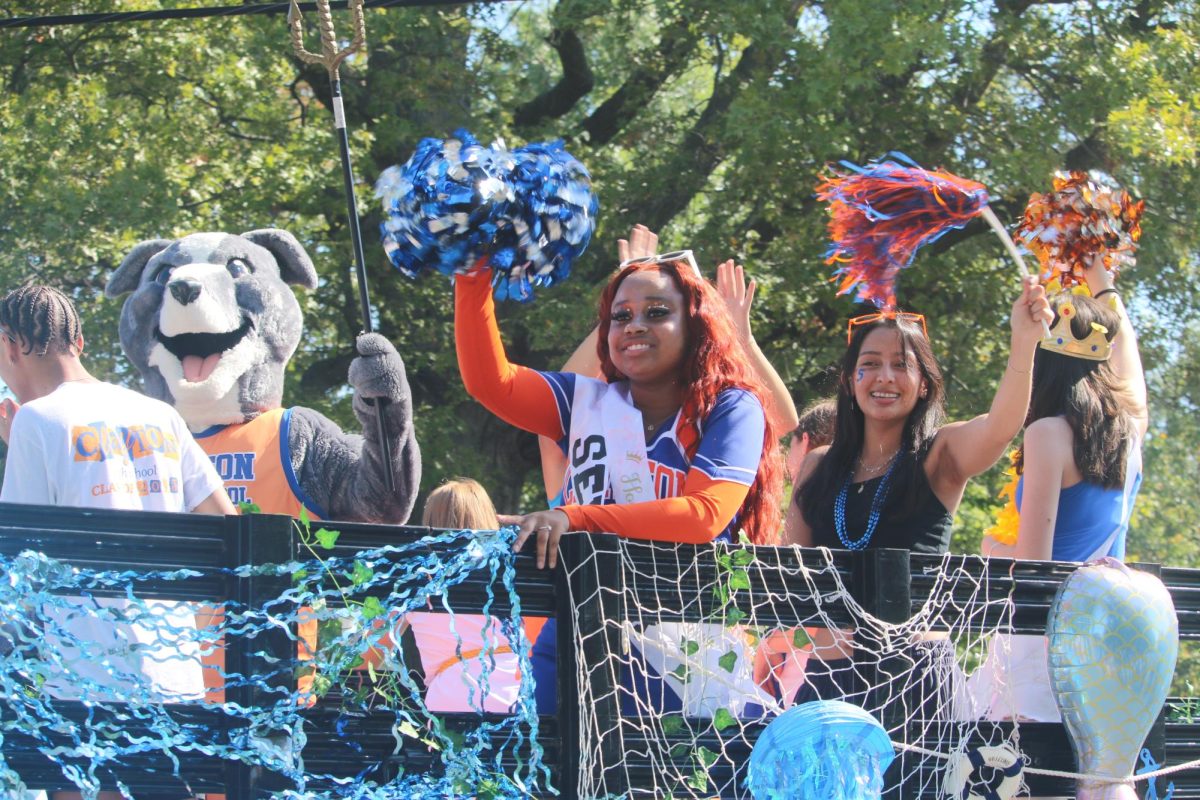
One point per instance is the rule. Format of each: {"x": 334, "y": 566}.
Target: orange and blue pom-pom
{"x": 528, "y": 213}
{"x": 881, "y": 214}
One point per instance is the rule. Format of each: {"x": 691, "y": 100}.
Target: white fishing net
{"x": 684, "y": 654}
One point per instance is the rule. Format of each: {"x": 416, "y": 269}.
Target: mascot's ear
{"x": 127, "y": 276}
{"x": 295, "y": 267}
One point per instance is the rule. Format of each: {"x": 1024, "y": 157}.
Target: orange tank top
{"x": 254, "y": 461}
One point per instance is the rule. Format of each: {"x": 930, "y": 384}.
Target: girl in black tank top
{"x": 894, "y": 474}
{"x": 922, "y": 526}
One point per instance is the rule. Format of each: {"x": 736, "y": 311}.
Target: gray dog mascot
{"x": 211, "y": 322}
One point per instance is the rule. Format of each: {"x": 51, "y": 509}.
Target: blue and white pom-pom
{"x": 438, "y": 204}
{"x": 529, "y": 212}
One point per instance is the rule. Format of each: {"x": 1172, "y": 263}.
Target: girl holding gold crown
{"x": 1079, "y": 470}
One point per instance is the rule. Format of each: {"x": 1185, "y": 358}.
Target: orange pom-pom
{"x": 1008, "y": 518}
{"x": 1079, "y": 221}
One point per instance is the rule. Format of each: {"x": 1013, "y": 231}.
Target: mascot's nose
{"x": 185, "y": 290}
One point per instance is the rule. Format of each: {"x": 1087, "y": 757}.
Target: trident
{"x": 331, "y": 57}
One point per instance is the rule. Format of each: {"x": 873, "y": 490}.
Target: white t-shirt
{"x": 97, "y": 445}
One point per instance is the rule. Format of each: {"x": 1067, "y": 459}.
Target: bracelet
{"x": 1019, "y": 371}
{"x": 1102, "y": 292}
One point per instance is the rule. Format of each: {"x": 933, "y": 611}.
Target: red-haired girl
{"x": 674, "y": 367}
{"x": 673, "y": 445}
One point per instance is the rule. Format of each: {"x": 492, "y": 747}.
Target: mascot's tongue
{"x": 198, "y": 368}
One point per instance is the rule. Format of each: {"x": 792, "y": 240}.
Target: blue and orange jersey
{"x": 698, "y": 496}
{"x": 255, "y": 462}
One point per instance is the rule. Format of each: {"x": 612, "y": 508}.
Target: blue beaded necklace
{"x": 839, "y": 509}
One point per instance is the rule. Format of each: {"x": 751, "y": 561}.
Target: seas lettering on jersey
{"x": 592, "y": 482}
{"x": 99, "y": 441}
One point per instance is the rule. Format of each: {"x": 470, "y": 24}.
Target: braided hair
{"x": 43, "y": 320}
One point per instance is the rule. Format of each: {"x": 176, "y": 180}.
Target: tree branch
{"x": 575, "y": 83}
{"x": 994, "y": 56}
{"x": 674, "y": 45}
{"x": 702, "y": 149}
{"x": 1091, "y": 153}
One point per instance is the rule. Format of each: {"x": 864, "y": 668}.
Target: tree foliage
{"x": 707, "y": 120}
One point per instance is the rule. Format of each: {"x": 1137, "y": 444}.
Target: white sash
{"x": 607, "y": 448}
{"x": 608, "y": 452}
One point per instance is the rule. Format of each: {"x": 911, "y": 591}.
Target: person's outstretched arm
{"x": 1125, "y": 360}
{"x": 965, "y": 449}
{"x": 714, "y": 489}
{"x": 739, "y": 297}
{"x": 518, "y": 395}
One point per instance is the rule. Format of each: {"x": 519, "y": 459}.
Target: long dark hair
{"x": 713, "y": 361}
{"x": 814, "y": 497}
{"x": 1088, "y": 395}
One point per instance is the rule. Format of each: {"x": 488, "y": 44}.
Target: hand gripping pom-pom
{"x": 1078, "y": 221}
{"x": 881, "y": 214}
{"x": 528, "y": 213}
{"x": 827, "y": 748}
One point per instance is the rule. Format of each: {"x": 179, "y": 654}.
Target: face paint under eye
{"x": 861, "y": 371}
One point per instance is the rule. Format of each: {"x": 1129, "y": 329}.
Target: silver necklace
{"x": 875, "y": 470}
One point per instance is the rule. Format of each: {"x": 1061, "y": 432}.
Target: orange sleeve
{"x": 518, "y": 395}
{"x": 696, "y": 517}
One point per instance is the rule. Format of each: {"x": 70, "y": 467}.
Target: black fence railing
{"x": 890, "y": 584}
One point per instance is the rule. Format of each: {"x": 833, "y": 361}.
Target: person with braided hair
{"x": 74, "y": 440}
{"x": 78, "y": 441}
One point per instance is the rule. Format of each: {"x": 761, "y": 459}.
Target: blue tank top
{"x": 1090, "y": 515}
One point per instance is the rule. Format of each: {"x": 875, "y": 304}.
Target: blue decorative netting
{"x": 96, "y": 674}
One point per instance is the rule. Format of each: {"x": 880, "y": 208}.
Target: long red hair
{"x": 713, "y": 361}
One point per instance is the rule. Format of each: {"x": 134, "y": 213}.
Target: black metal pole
{"x": 360, "y": 264}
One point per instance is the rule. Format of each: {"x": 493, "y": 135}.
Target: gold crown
{"x": 1095, "y": 347}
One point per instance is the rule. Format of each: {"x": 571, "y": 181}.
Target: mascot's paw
{"x": 378, "y": 371}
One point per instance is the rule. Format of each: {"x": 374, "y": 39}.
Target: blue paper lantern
{"x": 823, "y": 750}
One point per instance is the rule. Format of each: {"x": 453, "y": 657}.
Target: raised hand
{"x": 1097, "y": 276}
{"x": 377, "y": 370}
{"x": 738, "y": 296}
{"x": 642, "y": 242}
{"x": 1030, "y": 314}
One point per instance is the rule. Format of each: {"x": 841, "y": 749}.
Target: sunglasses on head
{"x": 867, "y": 319}
{"x": 665, "y": 258}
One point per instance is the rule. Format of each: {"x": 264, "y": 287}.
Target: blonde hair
{"x": 460, "y": 504}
